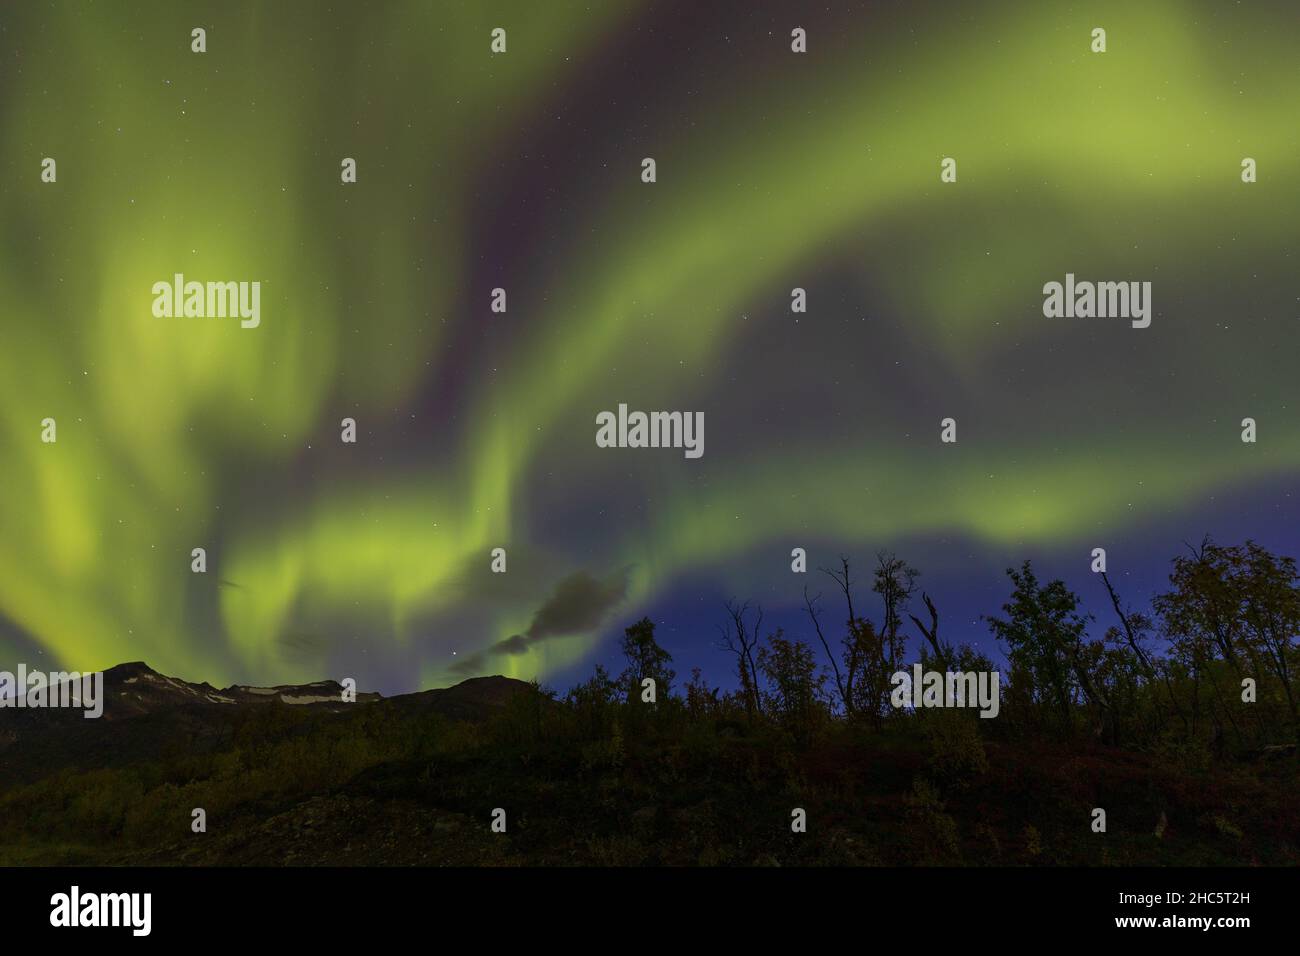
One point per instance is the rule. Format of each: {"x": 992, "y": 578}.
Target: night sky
{"x": 522, "y": 170}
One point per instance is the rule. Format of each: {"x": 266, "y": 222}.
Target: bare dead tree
{"x": 1130, "y": 636}
{"x": 931, "y": 633}
{"x": 740, "y": 640}
{"x": 846, "y": 681}
{"x": 846, "y": 698}
{"x": 895, "y": 582}
{"x": 841, "y": 578}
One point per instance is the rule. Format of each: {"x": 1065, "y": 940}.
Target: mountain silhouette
{"x": 146, "y": 713}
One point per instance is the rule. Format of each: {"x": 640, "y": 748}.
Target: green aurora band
{"x": 777, "y": 171}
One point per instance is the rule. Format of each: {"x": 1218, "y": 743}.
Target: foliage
{"x": 1149, "y": 716}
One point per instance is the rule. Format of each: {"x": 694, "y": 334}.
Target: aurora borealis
{"x": 521, "y": 170}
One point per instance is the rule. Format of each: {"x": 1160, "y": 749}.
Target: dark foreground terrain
{"x": 415, "y": 780}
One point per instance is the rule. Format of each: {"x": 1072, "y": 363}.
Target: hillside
{"x": 415, "y": 780}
